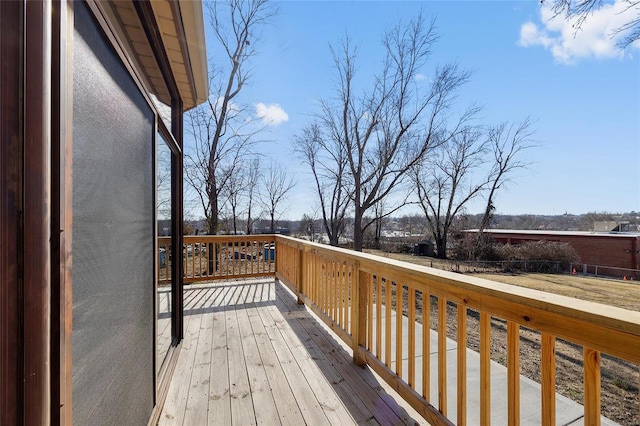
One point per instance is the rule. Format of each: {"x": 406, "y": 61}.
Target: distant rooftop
{"x": 564, "y": 233}
{"x": 611, "y": 226}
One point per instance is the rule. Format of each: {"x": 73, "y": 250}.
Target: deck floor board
{"x": 251, "y": 355}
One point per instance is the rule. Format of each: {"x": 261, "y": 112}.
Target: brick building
{"x": 618, "y": 250}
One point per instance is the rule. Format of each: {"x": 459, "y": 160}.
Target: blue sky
{"x": 582, "y": 92}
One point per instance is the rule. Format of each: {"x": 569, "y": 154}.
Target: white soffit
{"x": 181, "y": 27}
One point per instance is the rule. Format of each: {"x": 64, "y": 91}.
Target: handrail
{"x": 356, "y": 293}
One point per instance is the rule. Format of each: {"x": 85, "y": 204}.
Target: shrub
{"x": 475, "y": 247}
{"x": 538, "y": 250}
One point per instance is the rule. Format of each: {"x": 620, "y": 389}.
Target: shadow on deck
{"x": 252, "y": 355}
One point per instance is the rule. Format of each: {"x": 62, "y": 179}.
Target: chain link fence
{"x": 604, "y": 271}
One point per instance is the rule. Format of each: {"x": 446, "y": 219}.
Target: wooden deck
{"x": 252, "y": 355}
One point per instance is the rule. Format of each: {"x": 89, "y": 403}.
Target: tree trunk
{"x": 249, "y": 223}
{"x": 357, "y": 230}
{"x": 441, "y": 243}
{"x": 212, "y": 224}
{"x": 235, "y": 221}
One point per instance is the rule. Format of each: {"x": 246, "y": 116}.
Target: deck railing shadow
{"x": 227, "y": 295}
{"x": 335, "y": 363}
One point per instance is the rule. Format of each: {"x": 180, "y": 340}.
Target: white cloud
{"x": 271, "y": 115}
{"x": 420, "y": 77}
{"x": 594, "y": 40}
{"x": 231, "y": 107}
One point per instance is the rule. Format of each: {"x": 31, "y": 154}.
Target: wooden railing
{"x": 386, "y": 310}
{"x": 163, "y": 261}
{"x": 215, "y": 257}
{"x": 379, "y": 306}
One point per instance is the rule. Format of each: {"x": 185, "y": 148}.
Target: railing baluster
{"x": 426, "y": 346}
{"x": 333, "y": 298}
{"x": 193, "y": 261}
{"x": 591, "y": 387}
{"x": 387, "y": 324}
{"x": 337, "y": 293}
{"x": 462, "y": 364}
{"x": 485, "y": 368}
{"x": 185, "y": 260}
{"x": 316, "y": 278}
{"x": 442, "y": 355}
{"x": 378, "y": 318}
{"x": 399, "y": 302}
{"x": 359, "y": 305}
{"x": 344, "y": 284}
{"x": 330, "y": 277}
{"x": 331, "y": 291}
{"x": 369, "y": 313}
{"x": 345, "y": 294}
{"x": 327, "y": 285}
{"x": 513, "y": 372}
{"x": 323, "y": 288}
{"x": 548, "y": 383}
{"x": 411, "y": 302}
{"x": 330, "y": 287}
{"x": 321, "y": 285}
{"x": 348, "y": 302}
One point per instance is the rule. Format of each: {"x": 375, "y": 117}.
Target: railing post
{"x": 359, "y": 304}
{"x": 301, "y": 274}
{"x": 592, "y": 386}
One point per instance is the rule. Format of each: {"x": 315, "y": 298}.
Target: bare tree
{"x": 326, "y": 156}
{"x": 222, "y": 129}
{"x": 277, "y": 186}
{"x": 581, "y": 9}
{"x": 394, "y": 123}
{"x": 233, "y": 194}
{"x": 507, "y": 142}
{"x": 308, "y": 226}
{"x": 253, "y": 176}
{"x": 444, "y": 182}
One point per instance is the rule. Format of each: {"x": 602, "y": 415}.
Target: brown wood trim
{"x": 11, "y": 151}
{"x": 151, "y": 29}
{"x": 61, "y": 211}
{"x": 37, "y": 168}
{"x": 177, "y": 218}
